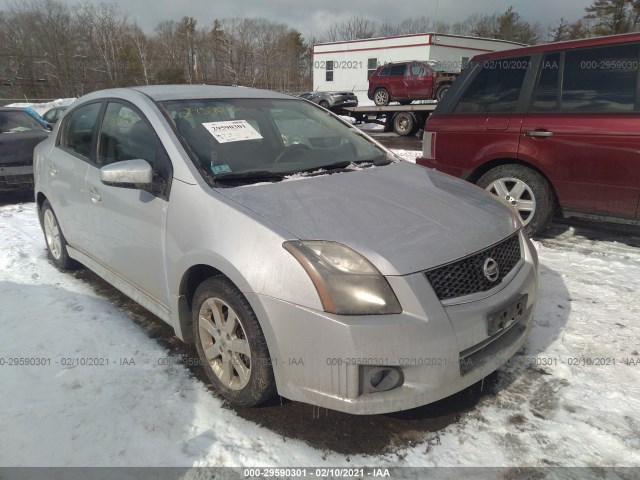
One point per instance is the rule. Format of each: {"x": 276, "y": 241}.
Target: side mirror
{"x": 128, "y": 174}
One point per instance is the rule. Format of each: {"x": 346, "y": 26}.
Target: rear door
{"x": 485, "y": 122}
{"x": 396, "y": 81}
{"x": 66, "y": 168}
{"x": 583, "y": 128}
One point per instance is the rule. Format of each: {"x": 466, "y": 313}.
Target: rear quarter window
{"x": 600, "y": 79}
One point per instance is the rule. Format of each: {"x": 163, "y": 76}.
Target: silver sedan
{"x": 299, "y": 255}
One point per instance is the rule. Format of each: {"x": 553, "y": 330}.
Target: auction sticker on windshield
{"x": 232, "y": 131}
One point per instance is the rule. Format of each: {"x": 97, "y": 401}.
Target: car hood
{"x": 402, "y": 217}
{"x": 16, "y": 148}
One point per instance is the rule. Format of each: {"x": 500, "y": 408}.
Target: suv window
{"x": 600, "y": 79}
{"x": 418, "y": 70}
{"x": 384, "y": 72}
{"x": 496, "y": 88}
{"x": 398, "y": 69}
{"x": 545, "y": 97}
{"x": 77, "y": 133}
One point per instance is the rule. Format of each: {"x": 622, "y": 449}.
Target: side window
{"x": 545, "y": 96}
{"x": 329, "y": 72}
{"x": 80, "y": 125}
{"x": 372, "y": 65}
{"x": 398, "y": 70}
{"x": 417, "y": 70}
{"x": 600, "y": 79}
{"x": 125, "y": 135}
{"x": 384, "y": 72}
{"x": 496, "y": 88}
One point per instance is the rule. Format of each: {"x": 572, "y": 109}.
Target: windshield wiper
{"x": 248, "y": 177}
{"x": 344, "y": 165}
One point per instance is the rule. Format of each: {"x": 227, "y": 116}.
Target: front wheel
{"x": 526, "y": 191}
{"x": 324, "y": 104}
{"x": 442, "y": 90}
{"x": 381, "y": 97}
{"x": 231, "y": 344}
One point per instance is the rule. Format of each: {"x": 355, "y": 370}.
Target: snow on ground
{"x": 570, "y": 398}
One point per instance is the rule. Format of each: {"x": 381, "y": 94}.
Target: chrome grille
{"x": 466, "y": 276}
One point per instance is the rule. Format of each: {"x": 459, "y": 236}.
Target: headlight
{"x": 347, "y": 283}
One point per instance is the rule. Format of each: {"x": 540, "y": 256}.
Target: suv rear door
{"x": 585, "y": 135}
{"x": 396, "y": 81}
{"x": 488, "y": 114}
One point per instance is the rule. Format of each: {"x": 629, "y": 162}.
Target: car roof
{"x": 162, "y": 93}
{"x": 589, "y": 42}
{"x": 13, "y": 109}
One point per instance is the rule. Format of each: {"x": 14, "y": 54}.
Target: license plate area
{"x": 506, "y": 316}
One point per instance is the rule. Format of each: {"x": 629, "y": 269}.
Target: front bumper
{"x": 16, "y": 177}
{"x": 440, "y": 347}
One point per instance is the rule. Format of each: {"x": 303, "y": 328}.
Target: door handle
{"x": 95, "y": 196}
{"x": 538, "y": 133}
{"x": 52, "y": 170}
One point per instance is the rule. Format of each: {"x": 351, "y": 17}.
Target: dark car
{"x": 54, "y": 114}
{"x": 333, "y": 101}
{"x": 405, "y": 82}
{"x": 551, "y": 129}
{"x": 19, "y": 134}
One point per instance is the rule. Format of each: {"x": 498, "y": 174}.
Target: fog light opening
{"x": 380, "y": 379}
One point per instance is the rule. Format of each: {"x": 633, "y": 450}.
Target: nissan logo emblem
{"x": 491, "y": 269}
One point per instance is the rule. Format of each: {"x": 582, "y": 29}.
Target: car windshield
{"x": 268, "y": 139}
{"x": 13, "y": 122}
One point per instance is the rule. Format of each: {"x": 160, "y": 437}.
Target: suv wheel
{"x": 442, "y": 90}
{"x": 381, "y": 97}
{"x": 526, "y": 191}
{"x": 230, "y": 343}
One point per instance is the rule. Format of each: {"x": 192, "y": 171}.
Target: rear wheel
{"x": 324, "y": 104}
{"x": 230, "y": 343}
{"x": 56, "y": 243}
{"x": 526, "y": 191}
{"x": 404, "y": 123}
{"x": 381, "y": 97}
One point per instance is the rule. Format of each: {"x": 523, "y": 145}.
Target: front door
{"x": 128, "y": 223}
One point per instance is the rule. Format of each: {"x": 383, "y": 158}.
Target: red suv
{"x": 551, "y": 129}
{"x": 407, "y": 81}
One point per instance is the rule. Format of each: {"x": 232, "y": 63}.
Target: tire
{"x": 324, "y": 104}
{"x": 526, "y": 190}
{"x": 231, "y": 345}
{"x": 54, "y": 238}
{"x": 404, "y": 123}
{"x": 442, "y": 90}
{"x": 381, "y": 97}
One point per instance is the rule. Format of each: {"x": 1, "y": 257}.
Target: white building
{"x": 347, "y": 65}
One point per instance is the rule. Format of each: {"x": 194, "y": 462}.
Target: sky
{"x": 313, "y": 18}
